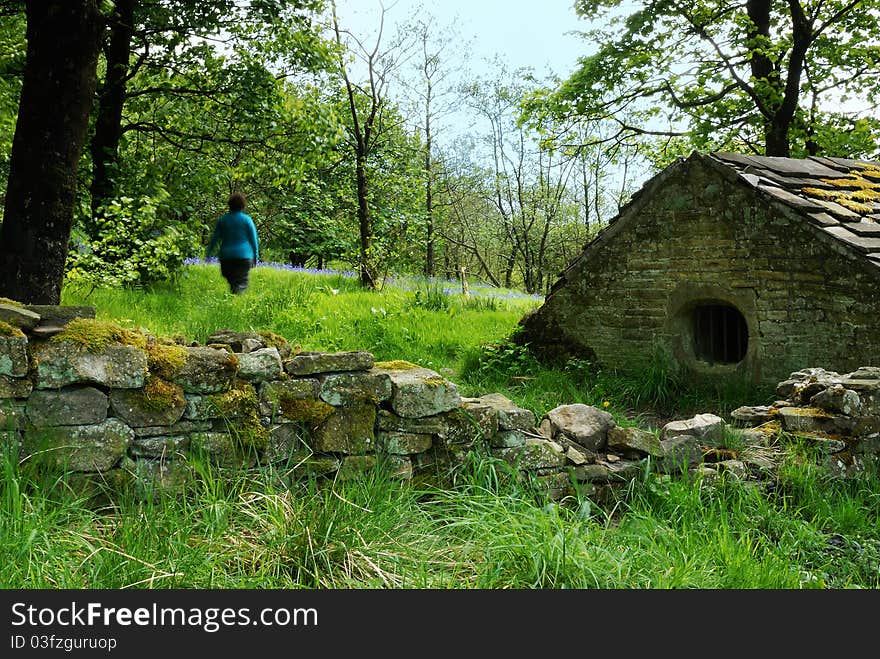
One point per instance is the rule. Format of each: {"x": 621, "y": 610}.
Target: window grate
{"x": 721, "y": 335}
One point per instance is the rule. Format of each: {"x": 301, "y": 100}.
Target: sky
{"x": 523, "y": 32}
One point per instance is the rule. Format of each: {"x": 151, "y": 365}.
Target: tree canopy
{"x": 336, "y": 137}
{"x": 765, "y": 76}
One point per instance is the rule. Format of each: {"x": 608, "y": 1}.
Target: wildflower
{"x": 606, "y": 403}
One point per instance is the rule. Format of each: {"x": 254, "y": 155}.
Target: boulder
{"x": 417, "y": 392}
{"x": 349, "y": 430}
{"x": 584, "y": 425}
{"x": 260, "y": 365}
{"x": 635, "y": 439}
{"x": 707, "y": 428}
{"x": 351, "y": 388}
{"x": 159, "y": 404}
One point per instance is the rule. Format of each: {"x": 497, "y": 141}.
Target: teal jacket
{"x": 236, "y": 236}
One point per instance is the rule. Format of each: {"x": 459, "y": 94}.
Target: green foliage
{"x": 704, "y": 70}
{"x": 431, "y": 297}
{"x": 133, "y": 244}
{"x": 500, "y": 360}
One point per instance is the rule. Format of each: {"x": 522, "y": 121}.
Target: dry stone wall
{"x": 117, "y": 408}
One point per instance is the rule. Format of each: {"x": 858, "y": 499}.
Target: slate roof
{"x": 838, "y": 195}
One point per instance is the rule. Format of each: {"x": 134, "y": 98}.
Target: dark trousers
{"x": 236, "y": 272}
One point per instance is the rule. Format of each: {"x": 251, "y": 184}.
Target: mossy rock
{"x": 158, "y": 403}
{"x": 165, "y": 360}
{"x": 95, "y": 335}
{"x": 311, "y": 413}
{"x": 9, "y": 330}
{"x": 240, "y": 400}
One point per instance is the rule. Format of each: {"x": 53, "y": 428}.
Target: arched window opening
{"x": 721, "y": 335}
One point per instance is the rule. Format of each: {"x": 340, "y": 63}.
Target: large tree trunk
{"x": 104, "y": 146}
{"x": 53, "y": 118}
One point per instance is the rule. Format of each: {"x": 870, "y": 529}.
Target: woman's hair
{"x": 237, "y": 201}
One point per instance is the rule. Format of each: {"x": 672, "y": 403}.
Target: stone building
{"x": 733, "y": 265}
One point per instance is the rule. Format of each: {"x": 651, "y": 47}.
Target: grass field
{"x": 803, "y": 530}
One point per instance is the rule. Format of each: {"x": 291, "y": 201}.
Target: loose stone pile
{"x": 119, "y": 408}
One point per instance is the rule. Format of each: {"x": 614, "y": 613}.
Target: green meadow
{"x": 800, "y": 530}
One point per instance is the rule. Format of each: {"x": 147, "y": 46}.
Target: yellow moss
{"x": 93, "y": 335}
{"x": 866, "y": 195}
{"x": 871, "y": 172}
{"x": 851, "y": 182}
{"x": 173, "y": 340}
{"x": 162, "y": 395}
{"x": 815, "y": 412}
{"x": 854, "y": 206}
{"x": 241, "y": 399}
{"x": 820, "y": 192}
{"x": 250, "y": 433}
{"x": 435, "y": 381}
{"x": 273, "y": 340}
{"x": 310, "y": 412}
{"x": 165, "y": 360}
{"x": 845, "y": 199}
{"x": 770, "y": 428}
{"x": 9, "y": 330}
{"x": 397, "y": 365}
{"x": 11, "y": 303}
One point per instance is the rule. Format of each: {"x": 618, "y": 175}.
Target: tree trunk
{"x": 53, "y": 117}
{"x": 429, "y": 204}
{"x": 429, "y": 180}
{"x": 366, "y": 230}
{"x": 104, "y": 146}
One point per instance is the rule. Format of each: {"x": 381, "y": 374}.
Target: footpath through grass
{"x": 801, "y": 530}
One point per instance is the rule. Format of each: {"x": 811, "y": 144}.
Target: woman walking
{"x": 236, "y": 236}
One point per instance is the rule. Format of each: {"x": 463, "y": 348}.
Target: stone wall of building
{"x": 690, "y": 237}
{"x": 122, "y": 409}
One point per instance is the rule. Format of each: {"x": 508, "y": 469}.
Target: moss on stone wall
{"x": 312, "y": 413}
{"x": 165, "y": 360}
{"x": 273, "y": 340}
{"x": 397, "y": 365}
{"x": 239, "y": 400}
{"x": 95, "y": 335}
{"x": 9, "y": 330}
{"x": 160, "y": 395}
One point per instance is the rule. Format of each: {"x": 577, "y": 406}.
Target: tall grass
{"x": 489, "y": 531}
{"x": 258, "y": 529}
